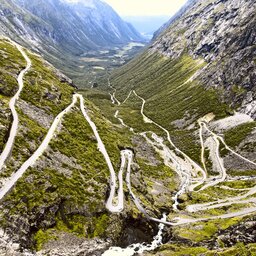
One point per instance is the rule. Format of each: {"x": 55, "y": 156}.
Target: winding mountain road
{"x": 223, "y": 174}
{"x": 185, "y": 182}
{"x": 8, "y": 146}
{"x": 202, "y": 145}
{"x": 10, "y": 182}
{"x": 113, "y": 207}
{"x": 226, "y": 146}
{"x": 112, "y": 95}
{"x": 148, "y": 120}
{"x": 115, "y": 203}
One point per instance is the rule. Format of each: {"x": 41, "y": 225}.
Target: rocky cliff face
{"x": 222, "y": 33}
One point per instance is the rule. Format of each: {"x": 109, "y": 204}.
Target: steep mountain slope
{"x": 197, "y": 67}
{"x": 184, "y": 157}
{"x": 61, "y": 196}
{"x": 181, "y": 12}
{"x": 223, "y": 34}
{"x": 196, "y": 83}
{"x": 83, "y": 25}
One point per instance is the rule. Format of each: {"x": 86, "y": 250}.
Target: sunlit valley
{"x": 127, "y": 134}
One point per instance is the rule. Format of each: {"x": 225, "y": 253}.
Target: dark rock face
{"x": 223, "y": 34}
{"x": 66, "y": 245}
{"x": 136, "y": 231}
{"x": 244, "y": 232}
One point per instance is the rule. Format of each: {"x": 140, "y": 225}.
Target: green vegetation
{"x": 239, "y": 249}
{"x": 66, "y": 190}
{"x": 79, "y": 225}
{"x": 240, "y": 184}
{"x": 242, "y": 172}
{"x": 101, "y": 224}
{"x": 42, "y": 237}
{"x": 102, "y": 100}
{"x": 208, "y": 161}
{"x": 235, "y": 136}
{"x": 44, "y": 89}
{"x": 11, "y": 59}
{"x": 166, "y": 86}
{"x": 130, "y": 112}
{"x": 11, "y": 63}
{"x": 68, "y": 183}
{"x": 62, "y": 195}
{"x": 202, "y": 231}
{"x": 27, "y": 140}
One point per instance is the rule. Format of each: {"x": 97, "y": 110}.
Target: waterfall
{"x": 138, "y": 248}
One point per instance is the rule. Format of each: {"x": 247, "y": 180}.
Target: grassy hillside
{"x": 66, "y": 189}
{"x": 176, "y": 99}
{"x": 11, "y": 62}
{"x": 173, "y": 98}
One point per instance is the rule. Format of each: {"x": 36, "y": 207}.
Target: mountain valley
{"x": 67, "y": 32}
{"x": 151, "y": 153}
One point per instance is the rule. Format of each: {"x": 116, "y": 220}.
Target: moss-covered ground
{"x": 239, "y": 249}
{"x": 11, "y": 63}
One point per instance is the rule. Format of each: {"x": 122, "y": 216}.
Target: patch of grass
{"x": 44, "y": 89}
{"x": 29, "y": 137}
{"x": 235, "y": 136}
{"x": 100, "y": 224}
{"x": 204, "y": 230}
{"x": 242, "y": 172}
{"x": 239, "y": 249}
{"x": 11, "y": 63}
{"x": 240, "y": 184}
{"x": 41, "y": 237}
{"x": 210, "y": 194}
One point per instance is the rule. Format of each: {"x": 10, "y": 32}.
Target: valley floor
{"x": 207, "y": 193}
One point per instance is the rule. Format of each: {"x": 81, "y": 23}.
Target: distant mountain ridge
{"x": 62, "y": 31}
{"x": 147, "y": 25}
{"x": 57, "y": 26}
{"x": 204, "y": 62}
{"x": 176, "y": 16}
{"x": 73, "y": 26}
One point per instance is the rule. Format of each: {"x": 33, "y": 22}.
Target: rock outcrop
{"x": 222, "y": 33}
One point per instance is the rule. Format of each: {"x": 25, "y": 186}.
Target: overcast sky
{"x": 146, "y": 7}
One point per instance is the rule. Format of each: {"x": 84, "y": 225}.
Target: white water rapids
{"x": 138, "y": 248}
